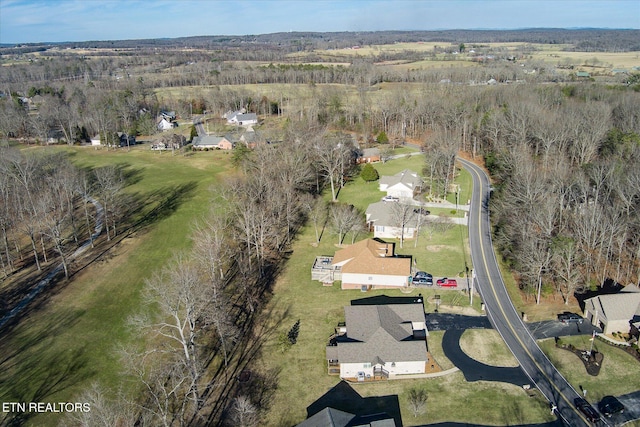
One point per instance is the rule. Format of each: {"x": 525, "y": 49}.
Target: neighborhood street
{"x": 502, "y": 313}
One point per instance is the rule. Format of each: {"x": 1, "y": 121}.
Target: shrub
{"x": 369, "y": 173}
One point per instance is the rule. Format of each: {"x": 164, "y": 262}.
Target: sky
{"x": 32, "y": 21}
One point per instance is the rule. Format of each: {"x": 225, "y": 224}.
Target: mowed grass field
{"x": 73, "y": 339}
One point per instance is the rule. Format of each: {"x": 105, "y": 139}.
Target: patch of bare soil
{"x": 548, "y": 308}
{"x": 435, "y": 248}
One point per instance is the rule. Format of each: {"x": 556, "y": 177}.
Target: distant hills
{"x": 582, "y": 39}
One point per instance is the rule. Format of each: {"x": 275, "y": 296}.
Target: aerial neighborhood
{"x": 340, "y": 229}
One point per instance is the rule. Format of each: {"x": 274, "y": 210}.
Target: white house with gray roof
{"x": 614, "y": 312}
{"x": 404, "y": 185}
{"x": 380, "y": 342}
{"x": 384, "y": 218}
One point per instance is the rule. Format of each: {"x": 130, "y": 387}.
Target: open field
{"x": 552, "y": 54}
{"x": 72, "y": 339}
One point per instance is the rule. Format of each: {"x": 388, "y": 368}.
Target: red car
{"x": 450, "y": 283}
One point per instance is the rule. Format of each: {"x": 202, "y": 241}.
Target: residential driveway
{"x": 478, "y": 371}
{"x": 447, "y": 322}
{"x": 555, "y": 328}
{"x": 631, "y": 404}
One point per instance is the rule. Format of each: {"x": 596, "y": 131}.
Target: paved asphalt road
{"x": 503, "y": 315}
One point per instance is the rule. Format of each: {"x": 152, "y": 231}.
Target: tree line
{"x": 202, "y": 311}
{"x": 53, "y": 206}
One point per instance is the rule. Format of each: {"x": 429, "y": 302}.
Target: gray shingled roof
{"x": 328, "y": 417}
{"x": 382, "y": 333}
{"x": 382, "y": 213}
{"x": 621, "y": 306}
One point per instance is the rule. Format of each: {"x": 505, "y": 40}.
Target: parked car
{"x": 423, "y": 281}
{"x": 390, "y": 199}
{"x": 568, "y": 317}
{"x": 423, "y": 274}
{"x": 609, "y": 405}
{"x": 588, "y": 410}
{"x": 450, "y": 283}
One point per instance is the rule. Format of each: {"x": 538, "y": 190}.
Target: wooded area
{"x": 562, "y": 151}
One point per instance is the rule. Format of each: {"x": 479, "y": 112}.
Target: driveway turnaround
{"x": 478, "y": 371}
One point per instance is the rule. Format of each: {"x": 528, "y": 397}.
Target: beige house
{"x": 368, "y": 264}
{"x": 614, "y": 312}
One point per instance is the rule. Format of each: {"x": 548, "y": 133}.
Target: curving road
{"x": 502, "y": 313}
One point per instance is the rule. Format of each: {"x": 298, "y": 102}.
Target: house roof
{"x": 208, "y": 140}
{"x": 371, "y": 256}
{"x": 407, "y": 178}
{"x": 331, "y": 417}
{"x": 371, "y": 152}
{"x": 384, "y": 214}
{"x": 378, "y": 334}
{"x": 623, "y": 305}
{"x": 247, "y": 117}
{"x": 328, "y": 417}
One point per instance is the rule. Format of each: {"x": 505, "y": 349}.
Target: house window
{"x": 366, "y": 365}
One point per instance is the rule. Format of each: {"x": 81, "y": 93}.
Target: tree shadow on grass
{"x": 162, "y": 203}
{"x": 33, "y": 370}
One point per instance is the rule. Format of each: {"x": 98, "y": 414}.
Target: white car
{"x": 390, "y": 199}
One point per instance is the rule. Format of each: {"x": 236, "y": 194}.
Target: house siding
{"x": 376, "y": 281}
{"x": 351, "y": 370}
{"x": 385, "y": 232}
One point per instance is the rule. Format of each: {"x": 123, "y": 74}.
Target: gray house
{"x": 379, "y": 342}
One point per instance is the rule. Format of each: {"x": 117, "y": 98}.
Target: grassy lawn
{"x": 615, "y": 376}
{"x": 72, "y": 340}
{"x": 301, "y": 370}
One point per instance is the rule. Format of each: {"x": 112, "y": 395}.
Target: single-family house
{"x": 164, "y": 124}
{"x": 212, "y": 142}
{"x": 378, "y": 342}
{"x": 170, "y": 116}
{"x": 241, "y": 118}
{"x": 55, "y": 136}
{"x": 126, "y": 140}
{"x": 342, "y": 406}
{"x": 391, "y": 220}
{"x": 368, "y": 155}
{"x": 614, "y": 312}
{"x": 404, "y": 185}
{"x": 368, "y": 264}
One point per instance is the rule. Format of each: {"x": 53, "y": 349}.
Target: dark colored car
{"x": 588, "y": 410}
{"x": 423, "y": 274}
{"x": 609, "y": 405}
{"x": 568, "y": 317}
